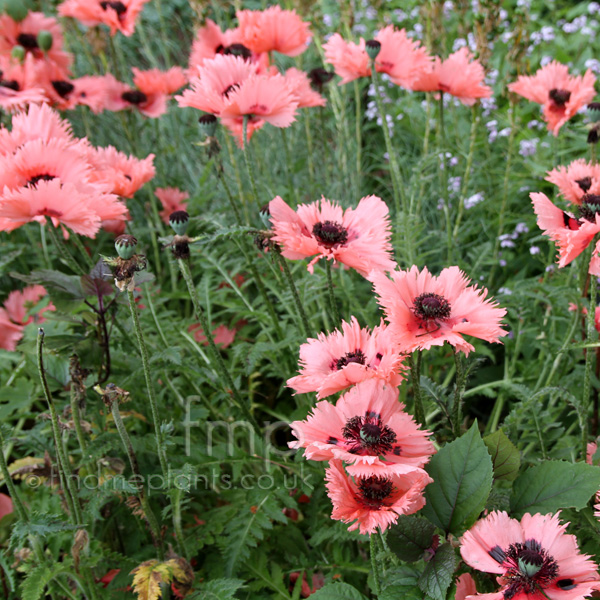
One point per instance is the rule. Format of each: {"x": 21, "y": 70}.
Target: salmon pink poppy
{"x": 334, "y": 362}
{"x": 10, "y": 333}
{"x": 359, "y": 238}
{"x": 459, "y": 75}
{"x": 12, "y": 100}
{"x": 374, "y": 502}
{"x": 18, "y": 84}
{"x": 222, "y": 335}
{"x": 534, "y": 558}
{"x": 19, "y": 304}
{"x": 576, "y": 180}
{"x": 300, "y": 84}
{"x": 367, "y": 429}
{"x": 350, "y": 61}
{"x": 465, "y": 587}
{"x": 172, "y": 199}
{"x": 118, "y": 15}
{"x": 273, "y": 29}
{"x": 572, "y": 235}
{"x": 25, "y": 33}
{"x": 560, "y": 94}
{"x": 424, "y": 310}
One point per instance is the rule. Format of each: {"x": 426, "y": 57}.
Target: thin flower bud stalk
{"x": 591, "y": 337}
{"x": 63, "y": 251}
{"x": 248, "y": 161}
{"x": 78, "y": 392}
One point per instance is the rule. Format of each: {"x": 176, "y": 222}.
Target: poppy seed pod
{"x": 44, "y": 40}
{"x": 125, "y": 246}
{"x": 208, "y": 125}
{"x": 373, "y": 47}
{"x": 179, "y": 221}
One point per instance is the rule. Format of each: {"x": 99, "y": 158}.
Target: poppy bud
{"x": 208, "y": 124}
{"x": 373, "y": 47}
{"x": 18, "y": 53}
{"x": 179, "y": 221}
{"x": 44, "y": 40}
{"x": 593, "y": 111}
{"x": 125, "y": 246}
{"x": 16, "y": 9}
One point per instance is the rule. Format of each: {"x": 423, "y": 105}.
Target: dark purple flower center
{"x": 236, "y": 50}
{"x": 118, "y": 7}
{"x": 585, "y": 183}
{"x": 229, "y": 89}
{"x": 590, "y": 206}
{"x": 374, "y": 490}
{"x": 529, "y": 568}
{"x": 63, "y": 88}
{"x": 559, "y": 97}
{"x": 44, "y": 177}
{"x": 431, "y": 307}
{"x": 11, "y": 84}
{"x": 28, "y": 41}
{"x": 351, "y": 357}
{"x": 134, "y": 97}
{"x": 368, "y": 435}
{"x": 319, "y": 77}
{"x": 330, "y": 233}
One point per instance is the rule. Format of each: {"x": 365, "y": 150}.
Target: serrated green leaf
{"x": 400, "y": 582}
{"x": 505, "y": 456}
{"x": 462, "y": 481}
{"x": 437, "y": 576}
{"x": 552, "y": 485}
{"x": 410, "y": 537}
{"x": 218, "y": 589}
{"x": 33, "y": 587}
{"x": 338, "y": 591}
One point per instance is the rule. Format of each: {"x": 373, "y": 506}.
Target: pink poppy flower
{"x": 375, "y": 501}
{"x": 215, "y": 82}
{"x": 119, "y": 15}
{"x": 172, "y": 199}
{"x": 18, "y": 87}
{"x": 459, "y": 75}
{"x": 576, "y": 180}
{"x": 424, "y": 310}
{"x": 124, "y": 174}
{"x": 560, "y": 94}
{"x": 12, "y": 100}
{"x": 19, "y": 303}
{"x": 6, "y": 505}
{"x": 592, "y": 447}
{"x": 10, "y": 333}
{"x": 262, "y": 99}
{"x": 334, "y": 362}
{"x": 367, "y": 429}
{"x": 222, "y": 335}
{"x": 300, "y": 84}
{"x": 533, "y": 558}
{"x": 584, "y": 312}
{"x": 274, "y": 29}
{"x": 24, "y": 33}
{"x": 465, "y": 586}
{"x": 572, "y": 235}
{"x": 350, "y": 61}
{"x": 359, "y": 238}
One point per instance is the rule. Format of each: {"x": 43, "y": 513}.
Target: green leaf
{"x": 462, "y": 481}
{"x": 218, "y": 589}
{"x": 437, "y": 576}
{"x": 337, "y": 591}
{"x": 57, "y": 280}
{"x": 400, "y": 582}
{"x": 33, "y": 587}
{"x": 552, "y": 485}
{"x": 505, "y": 456}
{"x": 410, "y": 537}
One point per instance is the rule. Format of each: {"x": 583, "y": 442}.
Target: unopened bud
{"x": 179, "y": 221}
{"x": 44, "y": 40}
{"x": 125, "y": 246}
{"x": 373, "y": 47}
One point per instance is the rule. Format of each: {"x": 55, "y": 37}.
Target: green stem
{"x": 76, "y": 414}
{"x": 176, "y": 503}
{"x": 133, "y": 462}
{"x": 82, "y": 250}
{"x": 589, "y": 358}
{"x": 444, "y": 176}
{"x": 149, "y": 385}
{"x": 334, "y": 307}
{"x": 226, "y": 377}
{"x": 374, "y": 564}
{"x": 288, "y": 162}
{"x": 12, "y": 490}
{"x": 64, "y": 252}
{"x": 358, "y": 134}
{"x": 458, "y": 394}
{"x": 415, "y": 373}
{"x": 290, "y": 281}
{"x": 248, "y": 161}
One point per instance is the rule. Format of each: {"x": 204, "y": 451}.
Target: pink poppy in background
{"x": 333, "y": 362}
{"x": 374, "y": 502}
{"x": 172, "y": 199}
{"x": 222, "y": 335}
{"x": 560, "y": 94}
{"x": 584, "y": 312}
{"x": 118, "y": 15}
{"x": 18, "y": 85}
{"x": 571, "y": 235}
{"x": 576, "y": 180}
{"x": 459, "y": 75}
{"x": 350, "y": 61}
{"x": 24, "y": 33}
{"x": 6, "y": 505}
{"x": 300, "y": 84}
{"x": 10, "y": 333}
{"x": 533, "y": 558}
{"x": 273, "y": 29}
{"x": 19, "y": 304}
{"x": 465, "y": 586}
{"x": 367, "y": 429}
{"x": 317, "y": 580}
{"x": 123, "y": 173}
{"x": 359, "y": 238}
{"x": 425, "y": 310}
{"x": 215, "y": 81}
{"x": 12, "y": 100}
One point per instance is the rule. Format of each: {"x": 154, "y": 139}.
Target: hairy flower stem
{"x": 374, "y": 563}
{"x": 162, "y": 458}
{"x": 358, "y": 134}
{"x": 247, "y": 159}
{"x": 309, "y": 147}
{"x": 82, "y": 250}
{"x": 334, "y": 307}
{"x": 415, "y": 373}
{"x": 290, "y": 281}
{"x": 459, "y": 388}
{"x": 133, "y": 463}
{"x": 64, "y": 252}
{"x": 288, "y": 162}
{"x": 444, "y": 175}
{"x": 76, "y": 415}
{"x": 224, "y": 373}
{"x": 467, "y": 174}
{"x": 176, "y": 504}
{"x": 589, "y": 359}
